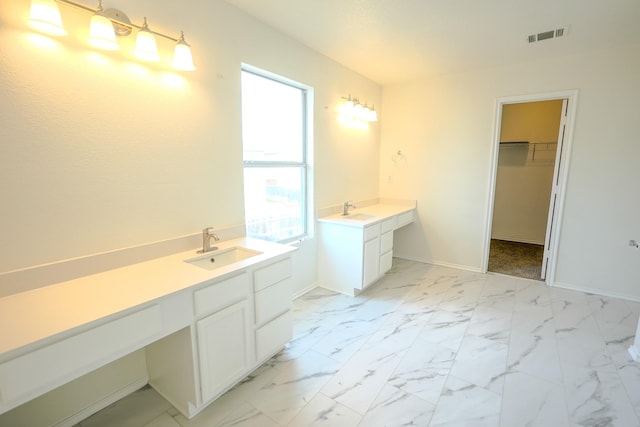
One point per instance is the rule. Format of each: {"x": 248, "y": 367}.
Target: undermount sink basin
{"x": 217, "y": 259}
{"x": 358, "y": 217}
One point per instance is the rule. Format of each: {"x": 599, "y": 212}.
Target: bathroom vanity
{"x": 204, "y": 327}
{"x": 356, "y": 250}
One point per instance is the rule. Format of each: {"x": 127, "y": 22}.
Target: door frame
{"x": 563, "y": 171}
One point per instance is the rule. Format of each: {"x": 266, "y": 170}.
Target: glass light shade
{"x": 101, "y": 33}
{"x": 45, "y": 16}
{"x": 365, "y": 113}
{"x": 146, "y": 47}
{"x": 182, "y": 58}
{"x": 357, "y": 112}
{"x": 373, "y": 115}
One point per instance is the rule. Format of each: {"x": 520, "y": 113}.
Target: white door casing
{"x": 560, "y": 174}
{"x": 555, "y": 188}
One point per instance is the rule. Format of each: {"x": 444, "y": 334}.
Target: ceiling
{"x": 392, "y": 41}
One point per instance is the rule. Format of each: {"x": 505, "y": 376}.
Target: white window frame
{"x": 304, "y": 164}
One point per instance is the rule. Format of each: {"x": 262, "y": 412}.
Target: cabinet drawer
{"x": 388, "y": 225}
{"x": 271, "y": 274}
{"x": 272, "y": 301}
{"x": 371, "y": 232}
{"x": 39, "y": 371}
{"x": 404, "y": 219}
{"x": 273, "y": 336}
{"x": 386, "y": 260}
{"x": 221, "y": 294}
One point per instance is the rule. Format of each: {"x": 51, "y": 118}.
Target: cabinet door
{"x": 371, "y": 261}
{"x": 224, "y": 348}
{"x": 386, "y": 261}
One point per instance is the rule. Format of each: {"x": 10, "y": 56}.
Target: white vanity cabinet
{"x": 224, "y": 334}
{"x": 273, "y": 301}
{"x": 371, "y": 255}
{"x": 224, "y": 348}
{"x": 354, "y": 254}
{"x": 240, "y": 322}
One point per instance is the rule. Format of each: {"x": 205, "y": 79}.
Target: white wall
{"x": 99, "y": 153}
{"x": 445, "y": 128}
{"x": 525, "y": 171}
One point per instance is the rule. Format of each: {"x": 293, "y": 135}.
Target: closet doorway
{"x": 532, "y": 141}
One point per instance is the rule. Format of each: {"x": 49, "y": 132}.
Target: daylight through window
{"x": 275, "y": 157}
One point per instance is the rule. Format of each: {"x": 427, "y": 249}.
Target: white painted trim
{"x": 596, "y": 291}
{"x": 103, "y": 403}
{"x": 305, "y": 291}
{"x": 440, "y": 263}
{"x": 572, "y": 96}
{"x": 519, "y": 240}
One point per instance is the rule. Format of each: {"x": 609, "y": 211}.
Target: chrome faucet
{"x": 207, "y": 235}
{"x": 345, "y": 207}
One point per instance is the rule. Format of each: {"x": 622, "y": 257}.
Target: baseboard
{"x": 439, "y": 263}
{"x": 518, "y": 240}
{"x": 596, "y": 291}
{"x": 306, "y": 290}
{"x": 103, "y": 403}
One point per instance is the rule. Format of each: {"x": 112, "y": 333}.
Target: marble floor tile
{"x": 359, "y": 381}
{"x": 394, "y": 407}
{"x": 530, "y": 401}
{"x": 586, "y": 349}
{"x": 431, "y": 346}
{"x": 344, "y": 340}
{"x": 164, "y": 420}
{"x": 482, "y": 362}
{"x": 446, "y": 329}
{"x": 535, "y": 354}
{"x": 296, "y": 383}
{"x": 491, "y": 323}
{"x": 532, "y": 293}
{"x": 630, "y": 377}
{"x": 424, "y": 370}
{"x": 597, "y": 397}
{"x": 463, "y": 404}
{"x": 138, "y": 409}
{"x": 244, "y": 416}
{"x": 322, "y": 411}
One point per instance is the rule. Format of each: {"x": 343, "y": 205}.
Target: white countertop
{"x": 378, "y": 213}
{"x": 32, "y": 316}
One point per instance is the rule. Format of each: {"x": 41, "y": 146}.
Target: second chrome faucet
{"x": 207, "y": 235}
{"x": 345, "y": 207}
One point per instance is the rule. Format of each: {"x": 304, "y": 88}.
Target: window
{"x": 274, "y": 144}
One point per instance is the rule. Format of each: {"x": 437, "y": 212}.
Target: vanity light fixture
{"x": 45, "y": 16}
{"x": 355, "y": 111}
{"x": 105, "y": 25}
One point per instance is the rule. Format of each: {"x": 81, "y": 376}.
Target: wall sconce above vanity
{"x": 355, "y": 114}
{"x": 104, "y": 28}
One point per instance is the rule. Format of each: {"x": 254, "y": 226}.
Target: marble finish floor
{"x": 432, "y": 346}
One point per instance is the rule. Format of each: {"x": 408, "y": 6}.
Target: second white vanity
{"x": 356, "y": 250}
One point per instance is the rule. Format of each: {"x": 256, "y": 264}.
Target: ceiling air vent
{"x": 546, "y": 35}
